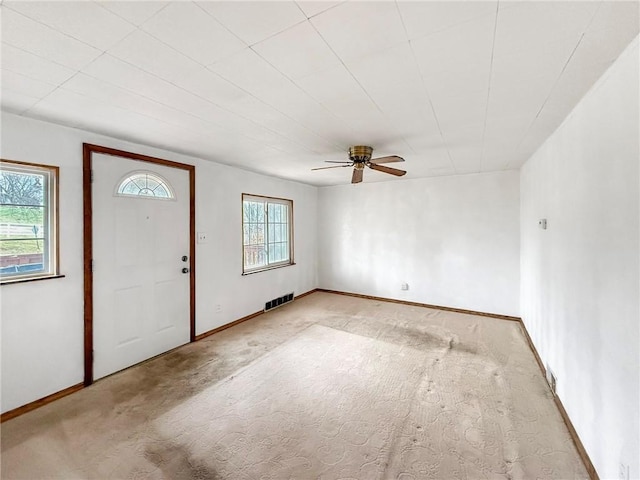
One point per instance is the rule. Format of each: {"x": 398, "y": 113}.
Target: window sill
{"x": 10, "y": 281}
{"x": 265, "y": 269}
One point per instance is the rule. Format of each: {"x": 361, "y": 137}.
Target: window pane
{"x": 260, "y": 212}
{"x": 162, "y": 192}
{"x": 145, "y": 184}
{"x": 130, "y": 188}
{"x": 152, "y": 183}
{"x": 21, "y": 256}
{"x": 245, "y": 212}
{"x": 254, "y": 256}
{"x": 28, "y": 247}
{"x": 252, "y": 234}
{"x": 140, "y": 181}
{"x": 26, "y": 205}
{"x": 248, "y": 260}
{"x": 17, "y": 188}
{"x": 260, "y": 234}
{"x": 245, "y": 234}
{"x": 265, "y": 232}
{"x": 14, "y": 217}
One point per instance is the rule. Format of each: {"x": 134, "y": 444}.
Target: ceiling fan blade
{"x": 392, "y": 171}
{"x": 357, "y": 175}
{"x": 337, "y": 161}
{"x": 389, "y": 159}
{"x": 335, "y": 166}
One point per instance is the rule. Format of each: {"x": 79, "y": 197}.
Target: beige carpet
{"x": 327, "y": 387}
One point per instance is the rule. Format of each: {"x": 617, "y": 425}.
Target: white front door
{"x": 141, "y": 294}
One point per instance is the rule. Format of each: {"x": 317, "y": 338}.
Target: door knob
{"x": 185, "y": 258}
{"x": 185, "y": 270}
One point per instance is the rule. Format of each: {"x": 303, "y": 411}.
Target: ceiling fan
{"x": 360, "y": 157}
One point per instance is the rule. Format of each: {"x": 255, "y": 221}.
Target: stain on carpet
{"x": 328, "y": 386}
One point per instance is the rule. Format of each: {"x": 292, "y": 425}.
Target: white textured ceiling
{"x": 279, "y": 87}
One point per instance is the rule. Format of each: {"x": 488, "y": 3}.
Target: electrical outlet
{"x": 404, "y": 286}
{"x": 203, "y": 237}
{"x": 218, "y": 308}
{"x": 542, "y": 223}
{"x": 623, "y": 472}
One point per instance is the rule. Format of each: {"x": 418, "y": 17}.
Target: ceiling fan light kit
{"x": 360, "y": 157}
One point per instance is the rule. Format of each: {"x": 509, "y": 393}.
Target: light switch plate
{"x": 203, "y": 237}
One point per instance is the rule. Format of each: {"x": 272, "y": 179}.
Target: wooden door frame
{"x": 87, "y": 153}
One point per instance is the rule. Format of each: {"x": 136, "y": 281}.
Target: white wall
{"x": 580, "y": 277}
{"x": 454, "y": 240}
{"x": 42, "y": 322}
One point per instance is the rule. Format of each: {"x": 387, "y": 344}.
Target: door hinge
{"x": 91, "y": 176}
{"x": 91, "y": 266}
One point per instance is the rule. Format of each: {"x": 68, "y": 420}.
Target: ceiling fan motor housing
{"x": 360, "y": 153}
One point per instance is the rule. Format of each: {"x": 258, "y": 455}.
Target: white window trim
{"x": 50, "y": 220}
{"x": 272, "y": 200}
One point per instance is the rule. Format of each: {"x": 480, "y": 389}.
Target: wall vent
{"x": 276, "y": 302}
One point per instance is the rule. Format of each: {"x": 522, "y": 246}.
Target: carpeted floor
{"x": 327, "y": 387}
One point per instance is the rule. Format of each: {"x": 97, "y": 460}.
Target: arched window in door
{"x": 145, "y": 184}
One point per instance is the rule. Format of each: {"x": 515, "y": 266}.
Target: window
{"x": 267, "y": 233}
{"x": 145, "y": 184}
{"x": 28, "y": 221}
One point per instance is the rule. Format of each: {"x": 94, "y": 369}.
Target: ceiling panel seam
{"x": 279, "y": 134}
{"x": 426, "y": 92}
{"x": 197, "y": 4}
{"x": 557, "y": 81}
{"x": 247, "y": 92}
{"x": 129, "y": 21}
{"x": 41, "y": 57}
{"x": 52, "y": 29}
{"x": 384, "y": 115}
{"x": 486, "y": 109}
{"x": 184, "y": 111}
{"x": 293, "y": 82}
